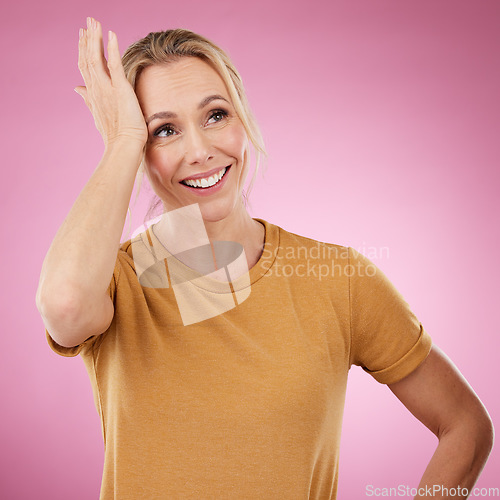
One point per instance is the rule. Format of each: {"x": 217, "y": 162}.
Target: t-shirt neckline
{"x": 262, "y": 266}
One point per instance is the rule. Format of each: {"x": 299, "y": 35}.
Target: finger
{"x": 81, "y": 91}
{"x": 95, "y": 49}
{"x": 115, "y": 65}
{"x": 82, "y": 55}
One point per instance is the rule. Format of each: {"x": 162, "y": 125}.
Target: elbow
{"x": 481, "y": 429}
{"x": 474, "y": 435}
{"x": 64, "y": 316}
{"x": 485, "y": 435}
{"x": 59, "y": 305}
{"x": 70, "y": 316}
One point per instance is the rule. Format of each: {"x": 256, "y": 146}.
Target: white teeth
{"x": 208, "y": 182}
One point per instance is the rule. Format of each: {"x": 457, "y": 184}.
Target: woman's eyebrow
{"x": 170, "y": 114}
{"x": 211, "y": 98}
{"x": 161, "y": 114}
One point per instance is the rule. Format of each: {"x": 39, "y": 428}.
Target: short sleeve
{"x": 387, "y": 340}
{"x": 70, "y": 352}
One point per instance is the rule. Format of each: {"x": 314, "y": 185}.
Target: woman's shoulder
{"x": 292, "y": 243}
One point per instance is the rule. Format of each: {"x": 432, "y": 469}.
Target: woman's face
{"x": 197, "y": 146}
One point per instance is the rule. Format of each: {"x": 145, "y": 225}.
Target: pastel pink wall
{"x": 381, "y": 119}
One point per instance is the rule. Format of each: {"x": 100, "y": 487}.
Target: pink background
{"x": 381, "y": 119}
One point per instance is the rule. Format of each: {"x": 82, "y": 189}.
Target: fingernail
{"x": 80, "y": 33}
{"x": 110, "y": 35}
{"x": 88, "y": 22}
{"x": 94, "y": 23}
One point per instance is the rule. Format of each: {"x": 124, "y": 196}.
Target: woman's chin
{"x": 217, "y": 210}
{"x": 213, "y": 209}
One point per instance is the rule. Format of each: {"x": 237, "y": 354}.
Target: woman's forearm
{"x": 79, "y": 264}
{"x": 458, "y": 460}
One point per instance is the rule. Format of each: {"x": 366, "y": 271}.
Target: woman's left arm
{"x": 440, "y": 397}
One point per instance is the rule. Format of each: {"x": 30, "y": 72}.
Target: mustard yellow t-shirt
{"x": 246, "y": 404}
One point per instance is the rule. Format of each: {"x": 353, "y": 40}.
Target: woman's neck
{"x": 185, "y": 229}
{"x": 240, "y": 228}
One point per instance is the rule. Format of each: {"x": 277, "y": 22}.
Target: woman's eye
{"x": 217, "y": 116}
{"x": 164, "y": 131}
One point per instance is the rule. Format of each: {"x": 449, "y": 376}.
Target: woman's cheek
{"x": 237, "y": 141}
{"x": 157, "y": 169}
{"x": 236, "y": 146}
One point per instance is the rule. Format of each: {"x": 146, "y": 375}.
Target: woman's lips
{"x": 206, "y": 191}
{"x": 204, "y": 175}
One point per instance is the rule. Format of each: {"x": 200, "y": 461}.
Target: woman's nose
{"x": 198, "y": 146}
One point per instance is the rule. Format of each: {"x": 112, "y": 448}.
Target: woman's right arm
{"x": 72, "y": 293}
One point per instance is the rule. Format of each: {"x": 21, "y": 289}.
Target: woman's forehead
{"x": 179, "y": 83}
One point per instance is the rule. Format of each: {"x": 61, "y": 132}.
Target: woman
{"x": 219, "y": 369}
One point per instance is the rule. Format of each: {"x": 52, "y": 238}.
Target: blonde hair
{"x": 163, "y": 47}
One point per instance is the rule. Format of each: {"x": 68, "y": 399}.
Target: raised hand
{"x": 107, "y": 93}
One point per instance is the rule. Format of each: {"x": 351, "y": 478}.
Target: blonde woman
{"x": 218, "y": 358}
